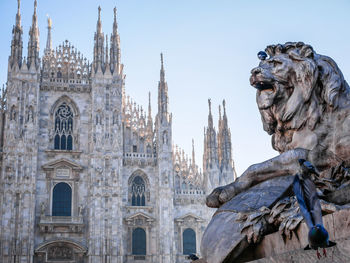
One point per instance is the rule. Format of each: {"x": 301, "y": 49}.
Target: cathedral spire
{"x": 210, "y": 157}
{"x": 224, "y": 106}
{"x": 48, "y": 41}
{"x": 225, "y": 145}
{"x": 210, "y": 117}
{"x": 193, "y": 155}
{"x": 162, "y": 73}
{"x": 149, "y": 117}
{"x": 149, "y": 108}
{"x": 162, "y": 93}
{"x": 99, "y": 24}
{"x": 115, "y": 46}
{"x": 18, "y": 15}
{"x": 33, "y": 44}
{"x": 17, "y": 43}
{"x": 115, "y": 25}
{"x": 106, "y": 60}
{"x": 98, "y": 62}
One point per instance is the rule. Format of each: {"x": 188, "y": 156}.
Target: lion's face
{"x": 285, "y": 83}
{"x": 272, "y": 80}
{"x": 297, "y": 89}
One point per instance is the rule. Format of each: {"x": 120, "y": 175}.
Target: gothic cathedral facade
{"x": 86, "y": 174}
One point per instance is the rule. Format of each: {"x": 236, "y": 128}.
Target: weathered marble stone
{"x": 276, "y": 248}
{"x": 223, "y": 235}
{"x": 263, "y": 194}
{"x": 341, "y": 196}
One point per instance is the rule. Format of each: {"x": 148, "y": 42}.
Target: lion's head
{"x": 296, "y": 87}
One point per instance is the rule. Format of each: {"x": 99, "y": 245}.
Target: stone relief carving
{"x": 60, "y": 253}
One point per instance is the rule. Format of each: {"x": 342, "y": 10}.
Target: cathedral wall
{"x": 145, "y": 217}
{"x": 58, "y": 165}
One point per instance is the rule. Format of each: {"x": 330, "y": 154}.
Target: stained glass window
{"x": 63, "y": 128}
{"x": 138, "y": 241}
{"x": 62, "y": 200}
{"x": 138, "y": 192}
{"x": 189, "y": 241}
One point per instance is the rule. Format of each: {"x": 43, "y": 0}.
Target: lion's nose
{"x": 256, "y": 70}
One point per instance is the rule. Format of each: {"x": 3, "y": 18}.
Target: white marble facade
{"x": 68, "y": 124}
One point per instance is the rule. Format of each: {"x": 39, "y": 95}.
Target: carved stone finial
{"x": 161, "y": 59}
{"x": 99, "y": 13}
{"x": 19, "y": 5}
{"x": 115, "y": 13}
{"x": 209, "y": 102}
{"x": 35, "y": 6}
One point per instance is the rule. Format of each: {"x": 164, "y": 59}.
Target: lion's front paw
{"x": 212, "y": 200}
{"x": 220, "y": 195}
{"x": 226, "y": 194}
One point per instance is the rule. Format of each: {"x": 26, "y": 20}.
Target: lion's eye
{"x": 275, "y": 62}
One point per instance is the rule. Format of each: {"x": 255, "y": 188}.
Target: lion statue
{"x": 304, "y": 103}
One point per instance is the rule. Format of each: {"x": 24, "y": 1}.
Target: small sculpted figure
{"x": 310, "y": 208}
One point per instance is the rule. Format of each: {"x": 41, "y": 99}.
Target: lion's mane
{"x": 318, "y": 88}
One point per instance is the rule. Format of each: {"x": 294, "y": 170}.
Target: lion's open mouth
{"x": 263, "y": 86}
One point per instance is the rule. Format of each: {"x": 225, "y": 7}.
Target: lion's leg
{"x": 283, "y": 164}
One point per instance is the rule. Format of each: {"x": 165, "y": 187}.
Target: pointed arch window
{"x": 189, "y": 241}
{"x": 138, "y": 192}
{"x": 62, "y": 200}
{"x": 64, "y": 128}
{"x": 139, "y": 241}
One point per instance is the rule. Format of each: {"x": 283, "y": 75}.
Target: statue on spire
{"x": 49, "y": 22}
{"x": 35, "y": 6}
{"x": 48, "y": 41}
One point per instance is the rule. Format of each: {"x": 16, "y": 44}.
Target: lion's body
{"x": 304, "y": 104}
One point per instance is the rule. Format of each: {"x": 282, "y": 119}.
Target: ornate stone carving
{"x": 56, "y": 253}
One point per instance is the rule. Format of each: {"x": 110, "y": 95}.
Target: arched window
{"x": 138, "y": 192}
{"x": 62, "y": 200}
{"x": 139, "y": 241}
{"x": 189, "y": 241}
{"x": 64, "y": 128}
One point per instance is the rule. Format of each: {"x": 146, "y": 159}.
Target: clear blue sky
{"x": 209, "y": 49}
